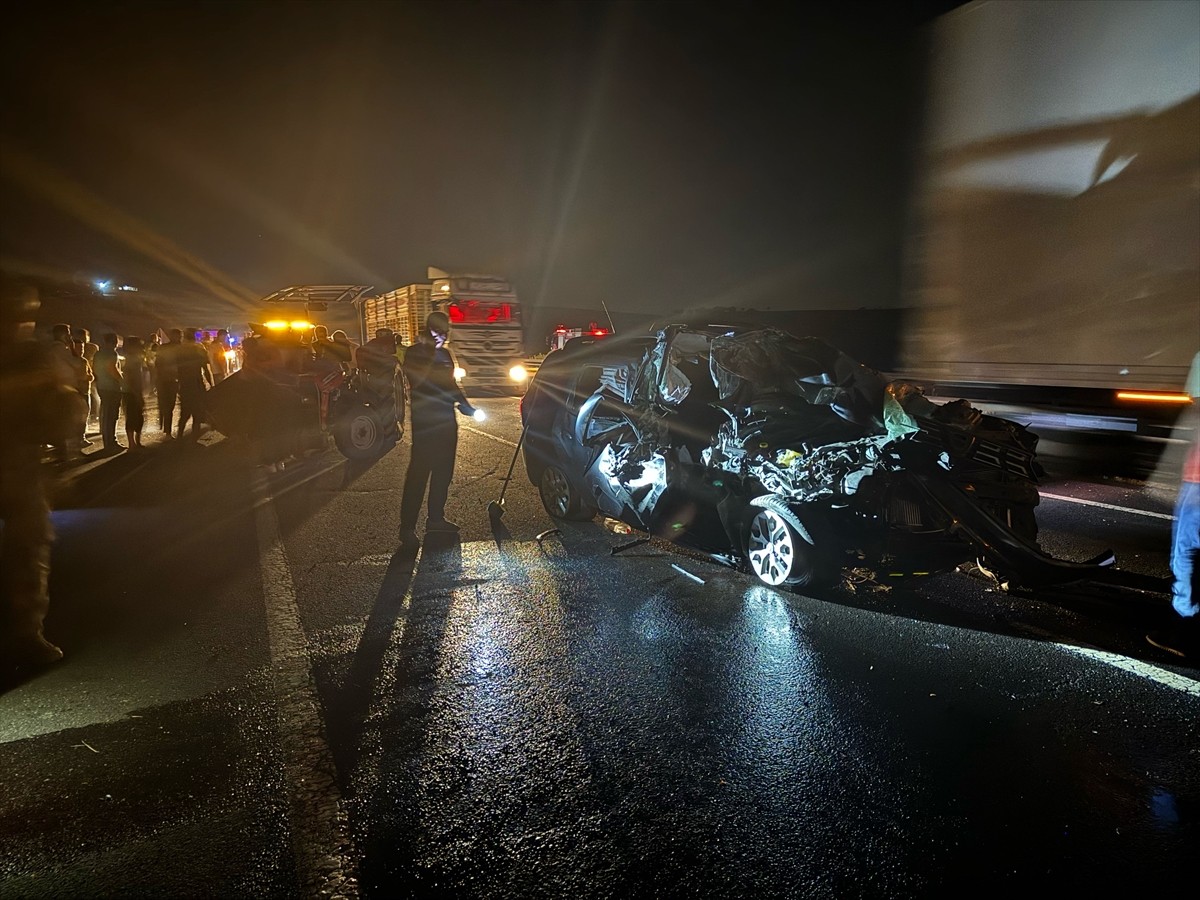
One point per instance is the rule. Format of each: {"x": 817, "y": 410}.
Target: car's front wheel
{"x": 559, "y": 496}
{"x": 779, "y": 555}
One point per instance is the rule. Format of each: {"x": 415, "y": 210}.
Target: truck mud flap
{"x": 1026, "y": 563}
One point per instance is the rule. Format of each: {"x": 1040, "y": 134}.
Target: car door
{"x": 633, "y": 464}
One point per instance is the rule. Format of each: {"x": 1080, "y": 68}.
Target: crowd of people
{"x": 116, "y": 376}
{"x": 56, "y": 392}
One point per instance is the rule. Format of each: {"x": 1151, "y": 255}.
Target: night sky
{"x": 656, "y": 156}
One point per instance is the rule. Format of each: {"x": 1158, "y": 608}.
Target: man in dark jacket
{"x": 166, "y": 378}
{"x": 108, "y": 383}
{"x": 195, "y": 377}
{"x": 434, "y": 396}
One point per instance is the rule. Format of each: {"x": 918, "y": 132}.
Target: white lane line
{"x": 504, "y": 441}
{"x": 1144, "y": 670}
{"x": 682, "y": 571}
{"x": 320, "y": 833}
{"x": 1136, "y": 512}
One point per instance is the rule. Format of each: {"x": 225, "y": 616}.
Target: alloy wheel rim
{"x": 770, "y": 550}
{"x": 556, "y": 491}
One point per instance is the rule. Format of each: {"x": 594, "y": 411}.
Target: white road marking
{"x": 320, "y": 834}
{"x": 682, "y": 571}
{"x": 1145, "y": 670}
{"x": 494, "y": 437}
{"x": 1136, "y": 512}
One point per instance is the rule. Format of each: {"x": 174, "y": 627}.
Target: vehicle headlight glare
{"x": 479, "y": 415}
{"x": 518, "y": 373}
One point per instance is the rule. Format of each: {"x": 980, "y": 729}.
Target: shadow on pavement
{"x": 380, "y": 667}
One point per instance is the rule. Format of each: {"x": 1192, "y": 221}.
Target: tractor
{"x": 292, "y": 395}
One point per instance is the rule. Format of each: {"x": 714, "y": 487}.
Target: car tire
{"x": 360, "y": 435}
{"x": 559, "y": 496}
{"x": 780, "y": 556}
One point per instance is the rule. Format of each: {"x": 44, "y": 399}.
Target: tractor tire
{"x": 362, "y": 433}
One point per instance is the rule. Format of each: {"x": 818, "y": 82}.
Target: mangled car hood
{"x": 808, "y": 421}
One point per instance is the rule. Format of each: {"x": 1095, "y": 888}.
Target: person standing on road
{"x": 166, "y": 378}
{"x": 108, "y": 383}
{"x": 149, "y": 345}
{"x": 434, "y": 394}
{"x": 217, "y": 360}
{"x": 1183, "y": 639}
{"x": 195, "y": 377}
{"x": 33, "y": 398}
{"x": 133, "y": 391}
{"x": 84, "y": 379}
{"x": 89, "y": 353}
{"x": 153, "y": 342}
{"x": 68, "y": 368}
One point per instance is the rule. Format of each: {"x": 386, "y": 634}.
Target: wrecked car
{"x": 783, "y": 456}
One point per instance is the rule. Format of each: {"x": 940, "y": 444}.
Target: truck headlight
{"x": 459, "y": 373}
{"x": 518, "y": 373}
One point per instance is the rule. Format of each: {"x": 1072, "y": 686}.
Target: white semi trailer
{"x": 1054, "y": 257}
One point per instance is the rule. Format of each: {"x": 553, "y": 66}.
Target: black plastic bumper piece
{"x": 1021, "y": 560}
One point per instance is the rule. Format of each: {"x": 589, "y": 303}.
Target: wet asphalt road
{"x": 263, "y": 697}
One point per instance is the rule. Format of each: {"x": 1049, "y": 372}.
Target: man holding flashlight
{"x": 434, "y": 397}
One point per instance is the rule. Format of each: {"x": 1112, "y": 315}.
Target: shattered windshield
{"x": 754, "y": 365}
{"x": 679, "y": 360}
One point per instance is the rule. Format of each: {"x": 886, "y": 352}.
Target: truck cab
{"x": 487, "y": 339}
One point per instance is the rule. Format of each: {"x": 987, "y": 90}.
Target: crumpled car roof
{"x": 749, "y": 366}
